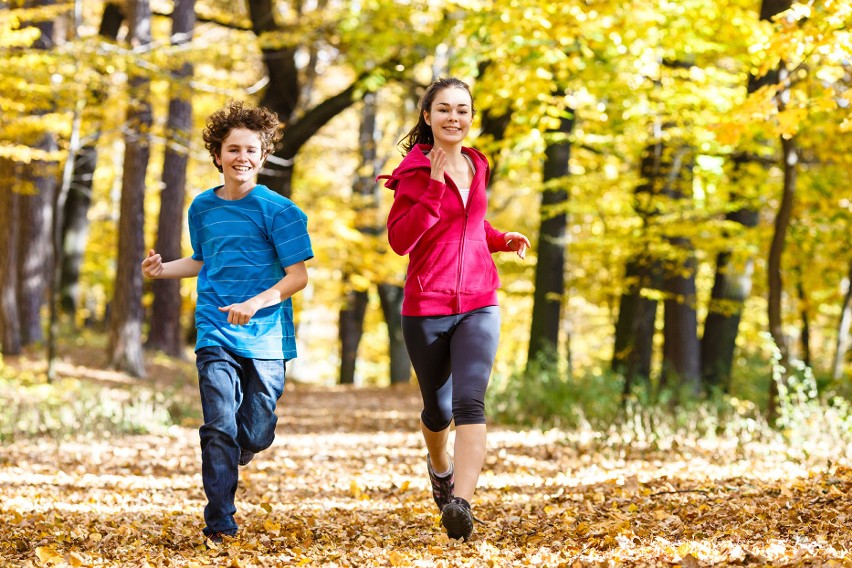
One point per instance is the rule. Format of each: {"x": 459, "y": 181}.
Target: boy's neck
{"x": 234, "y": 192}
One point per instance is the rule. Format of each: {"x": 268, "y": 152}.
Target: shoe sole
{"x": 458, "y": 521}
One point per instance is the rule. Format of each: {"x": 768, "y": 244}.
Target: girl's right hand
{"x": 439, "y": 161}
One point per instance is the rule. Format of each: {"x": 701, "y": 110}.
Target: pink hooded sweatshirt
{"x": 449, "y": 246}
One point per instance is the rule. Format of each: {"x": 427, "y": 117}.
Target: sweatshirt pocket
{"x": 480, "y": 274}
{"x": 438, "y": 272}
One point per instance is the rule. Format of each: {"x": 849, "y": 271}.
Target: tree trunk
{"x": 636, "y": 324}
{"x": 390, "y": 297}
{"x": 35, "y": 257}
{"x": 805, "y": 337}
{"x": 681, "y": 366}
{"x": 732, "y": 285}
{"x": 351, "y": 329}
{"x": 637, "y": 314}
{"x": 10, "y": 324}
{"x": 125, "y": 347}
{"x": 75, "y": 225}
{"x": 681, "y": 350}
{"x": 731, "y": 288}
{"x": 351, "y": 326}
{"x": 789, "y": 157}
{"x": 843, "y": 330}
{"x": 165, "y": 332}
{"x": 549, "y": 288}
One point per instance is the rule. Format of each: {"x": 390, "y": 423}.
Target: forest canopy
{"x": 682, "y": 168}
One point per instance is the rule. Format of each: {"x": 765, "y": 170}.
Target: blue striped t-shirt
{"x": 245, "y": 245}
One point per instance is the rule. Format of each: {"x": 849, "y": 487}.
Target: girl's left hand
{"x": 517, "y": 242}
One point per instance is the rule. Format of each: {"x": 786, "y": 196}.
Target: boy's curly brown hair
{"x": 236, "y": 114}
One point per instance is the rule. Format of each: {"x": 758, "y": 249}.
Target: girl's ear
{"x": 426, "y": 117}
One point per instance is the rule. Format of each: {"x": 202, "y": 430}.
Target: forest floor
{"x": 345, "y": 484}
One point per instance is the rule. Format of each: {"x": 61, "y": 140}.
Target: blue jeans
{"x": 238, "y": 398}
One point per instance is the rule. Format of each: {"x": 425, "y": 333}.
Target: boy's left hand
{"x": 239, "y": 314}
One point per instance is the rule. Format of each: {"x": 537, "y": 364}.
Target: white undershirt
{"x": 465, "y": 191}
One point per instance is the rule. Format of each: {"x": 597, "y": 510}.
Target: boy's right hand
{"x": 152, "y": 266}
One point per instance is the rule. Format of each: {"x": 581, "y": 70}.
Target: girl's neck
{"x": 454, "y": 150}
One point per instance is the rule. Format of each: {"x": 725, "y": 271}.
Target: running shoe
{"x": 457, "y": 519}
{"x": 246, "y": 456}
{"x": 442, "y": 486}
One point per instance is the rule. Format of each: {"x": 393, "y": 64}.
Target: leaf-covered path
{"x": 344, "y": 485}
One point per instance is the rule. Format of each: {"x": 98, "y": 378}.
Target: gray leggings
{"x": 453, "y": 356}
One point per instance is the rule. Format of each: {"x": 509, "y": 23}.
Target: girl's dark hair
{"x": 422, "y": 132}
{"x": 237, "y": 114}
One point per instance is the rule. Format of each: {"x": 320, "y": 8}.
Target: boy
{"x": 249, "y": 247}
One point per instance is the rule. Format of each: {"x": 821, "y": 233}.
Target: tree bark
{"x": 681, "y": 350}
{"x": 10, "y": 325}
{"x": 125, "y": 346}
{"x": 732, "y": 285}
{"x": 75, "y": 224}
{"x": 731, "y": 288}
{"x": 681, "y": 368}
{"x": 165, "y": 331}
{"x": 549, "y": 288}
{"x": 390, "y": 297}
{"x": 843, "y": 330}
{"x": 351, "y": 326}
{"x": 34, "y": 242}
{"x": 637, "y": 313}
{"x": 789, "y": 157}
{"x": 351, "y": 329}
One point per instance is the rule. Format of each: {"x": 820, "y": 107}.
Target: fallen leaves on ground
{"x": 345, "y": 485}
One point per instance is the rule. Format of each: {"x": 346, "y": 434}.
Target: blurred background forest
{"x": 682, "y": 168}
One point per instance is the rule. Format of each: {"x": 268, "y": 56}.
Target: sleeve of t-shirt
{"x": 290, "y": 235}
{"x": 193, "y": 235}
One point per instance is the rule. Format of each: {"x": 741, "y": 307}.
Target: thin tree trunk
{"x": 681, "y": 366}
{"x": 75, "y": 227}
{"x": 804, "y": 316}
{"x": 390, "y": 297}
{"x": 58, "y": 223}
{"x": 351, "y": 326}
{"x": 843, "y": 330}
{"x": 10, "y": 324}
{"x": 789, "y": 157}
{"x": 165, "y": 332}
{"x": 549, "y": 288}
{"x": 637, "y": 314}
{"x": 36, "y": 252}
{"x": 732, "y": 285}
{"x": 681, "y": 350}
{"x": 125, "y": 347}
{"x": 351, "y": 329}
{"x": 731, "y": 288}
{"x": 35, "y": 257}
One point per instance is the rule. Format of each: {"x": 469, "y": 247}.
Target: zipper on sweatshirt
{"x": 461, "y": 262}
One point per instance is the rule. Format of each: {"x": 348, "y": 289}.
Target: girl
{"x": 451, "y": 320}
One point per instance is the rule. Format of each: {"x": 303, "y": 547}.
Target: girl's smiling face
{"x": 450, "y": 116}
{"x": 241, "y": 155}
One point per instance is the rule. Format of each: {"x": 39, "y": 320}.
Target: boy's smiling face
{"x": 241, "y": 156}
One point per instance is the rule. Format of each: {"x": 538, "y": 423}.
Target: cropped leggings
{"x": 453, "y": 356}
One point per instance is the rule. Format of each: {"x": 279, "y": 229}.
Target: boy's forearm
{"x": 295, "y": 280}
